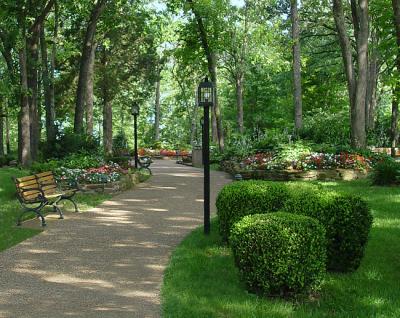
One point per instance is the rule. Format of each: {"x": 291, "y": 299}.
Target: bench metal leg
{"x": 72, "y": 201}
{"x": 58, "y": 210}
{"x": 36, "y": 211}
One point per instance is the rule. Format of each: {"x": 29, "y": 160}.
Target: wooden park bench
{"x": 37, "y": 191}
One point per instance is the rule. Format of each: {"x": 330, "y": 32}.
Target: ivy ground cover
{"x": 202, "y": 280}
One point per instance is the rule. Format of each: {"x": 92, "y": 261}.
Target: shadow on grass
{"x": 202, "y": 281}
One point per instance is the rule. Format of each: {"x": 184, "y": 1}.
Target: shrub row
{"x": 239, "y": 199}
{"x": 346, "y": 218}
{"x": 279, "y": 253}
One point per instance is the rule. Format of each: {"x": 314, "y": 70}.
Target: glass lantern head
{"x": 205, "y": 94}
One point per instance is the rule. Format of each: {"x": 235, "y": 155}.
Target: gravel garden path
{"x": 107, "y": 262}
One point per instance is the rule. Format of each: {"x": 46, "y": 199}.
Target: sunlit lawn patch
{"x": 202, "y": 281}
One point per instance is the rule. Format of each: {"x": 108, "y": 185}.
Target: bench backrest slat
{"x": 44, "y": 181}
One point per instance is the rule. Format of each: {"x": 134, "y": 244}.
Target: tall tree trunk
{"x": 24, "y": 149}
{"x": 217, "y": 119}
{"x": 358, "y": 121}
{"x": 53, "y": 61}
{"x": 107, "y": 107}
{"x": 90, "y": 92}
{"x": 394, "y": 134}
{"x": 32, "y": 69}
{"x": 84, "y": 64}
{"x": 8, "y": 141}
{"x": 396, "y": 92}
{"x": 2, "y": 115}
{"x": 357, "y": 85}
{"x": 48, "y": 98}
{"x": 157, "y": 111}
{"x": 372, "y": 85}
{"x": 239, "y": 102}
{"x": 297, "y": 92}
{"x": 212, "y": 69}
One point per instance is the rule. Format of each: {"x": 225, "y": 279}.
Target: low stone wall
{"x": 291, "y": 175}
{"x": 126, "y": 182}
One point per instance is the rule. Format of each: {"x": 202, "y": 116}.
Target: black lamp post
{"x": 135, "y": 113}
{"x": 205, "y": 95}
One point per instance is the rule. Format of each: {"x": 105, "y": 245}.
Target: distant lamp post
{"x": 135, "y": 112}
{"x": 205, "y": 95}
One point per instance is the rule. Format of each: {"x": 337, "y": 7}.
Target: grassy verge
{"x": 10, "y": 234}
{"x": 202, "y": 281}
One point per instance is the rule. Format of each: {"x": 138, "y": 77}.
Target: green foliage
{"x": 347, "y": 220}
{"x": 327, "y": 127}
{"x": 242, "y": 198}
{"x": 386, "y": 172}
{"x": 293, "y": 152}
{"x": 120, "y": 144}
{"x": 82, "y": 161}
{"x": 279, "y": 253}
{"x": 5, "y": 160}
{"x": 51, "y": 165}
{"x": 71, "y": 143}
{"x": 73, "y": 161}
{"x": 201, "y": 279}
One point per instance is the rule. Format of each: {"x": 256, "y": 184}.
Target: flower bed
{"x": 312, "y": 166}
{"x": 312, "y": 161}
{"x": 104, "y": 174}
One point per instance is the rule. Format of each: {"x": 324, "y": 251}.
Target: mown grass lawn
{"x": 202, "y": 281}
{"x": 10, "y": 234}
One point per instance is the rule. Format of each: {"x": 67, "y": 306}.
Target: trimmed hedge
{"x": 279, "y": 253}
{"x": 347, "y": 220}
{"x": 238, "y": 199}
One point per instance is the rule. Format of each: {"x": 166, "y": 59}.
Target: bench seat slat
{"x": 28, "y": 184}
{"x": 25, "y": 179}
{"x": 44, "y": 174}
{"x": 46, "y": 179}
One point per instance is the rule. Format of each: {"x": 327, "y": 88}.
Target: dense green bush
{"x": 346, "y": 218}
{"x": 73, "y": 161}
{"x": 279, "y": 253}
{"x": 242, "y": 198}
{"x": 386, "y": 172}
{"x": 5, "y": 160}
{"x": 120, "y": 144}
{"x": 68, "y": 143}
{"x": 50, "y": 165}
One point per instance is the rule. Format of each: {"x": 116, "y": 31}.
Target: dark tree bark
{"x": 2, "y": 115}
{"x": 356, "y": 83}
{"x": 212, "y": 69}
{"x": 84, "y": 64}
{"x": 90, "y": 92}
{"x": 157, "y": 112}
{"x": 32, "y": 71}
{"x": 8, "y": 140}
{"x": 394, "y": 121}
{"x": 239, "y": 103}
{"x": 107, "y": 106}
{"x": 297, "y": 92}
{"x": 24, "y": 149}
{"x": 48, "y": 91}
{"x": 396, "y": 91}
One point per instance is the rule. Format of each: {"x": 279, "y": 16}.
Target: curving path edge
{"x": 107, "y": 262}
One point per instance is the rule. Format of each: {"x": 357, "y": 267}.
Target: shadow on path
{"x": 108, "y": 262}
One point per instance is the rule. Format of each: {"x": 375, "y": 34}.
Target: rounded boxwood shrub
{"x": 279, "y": 253}
{"x": 347, "y": 220}
{"x": 238, "y": 199}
